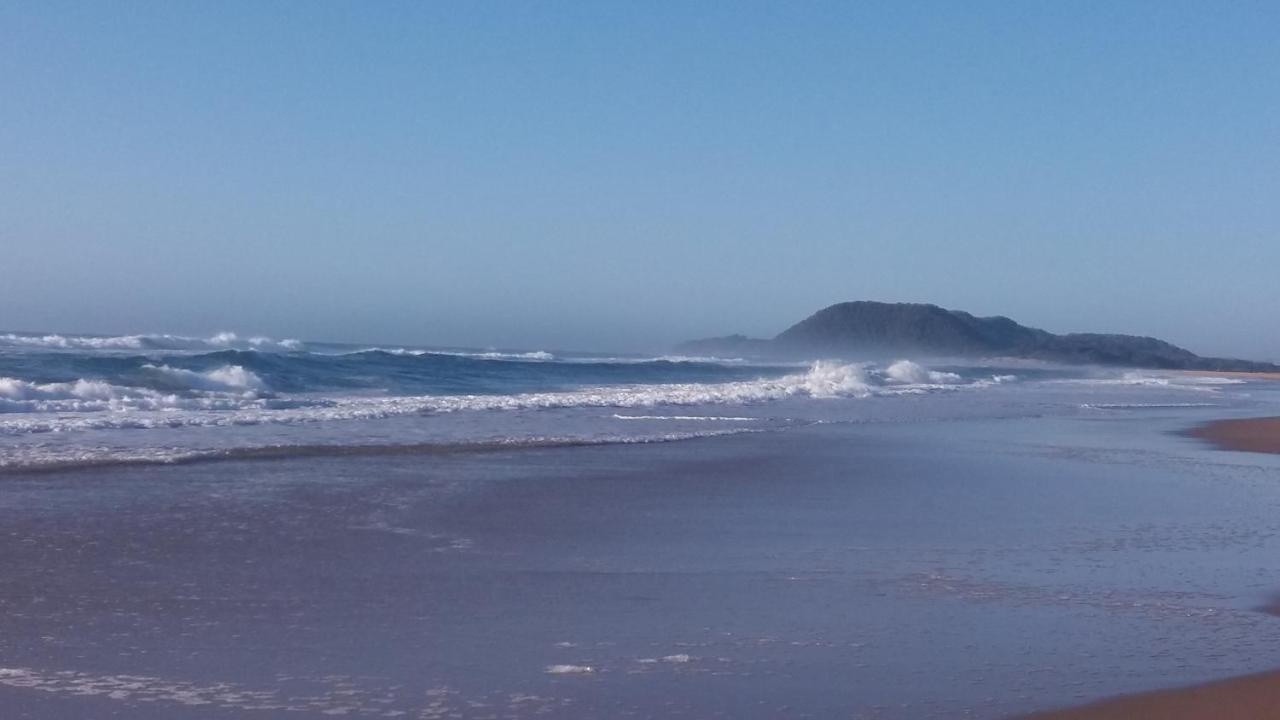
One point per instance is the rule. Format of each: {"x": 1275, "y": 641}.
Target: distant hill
{"x": 867, "y": 328}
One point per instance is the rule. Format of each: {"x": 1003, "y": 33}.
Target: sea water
{"x": 70, "y": 400}
{"x": 232, "y": 528}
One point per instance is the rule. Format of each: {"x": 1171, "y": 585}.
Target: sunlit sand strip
{"x": 1255, "y": 697}
{"x": 1234, "y": 374}
{"x": 1247, "y": 434}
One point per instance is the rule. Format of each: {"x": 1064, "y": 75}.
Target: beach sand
{"x": 1248, "y": 434}
{"x": 1234, "y": 374}
{"x": 1252, "y": 697}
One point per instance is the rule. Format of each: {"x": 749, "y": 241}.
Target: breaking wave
{"x": 1171, "y": 379}
{"x": 230, "y": 387}
{"x": 219, "y": 341}
{"x": 532, "y": 356}
{"x": 231, "y": 395}
{"x": 228, "y": 378}
{"x": 907, "y": 372}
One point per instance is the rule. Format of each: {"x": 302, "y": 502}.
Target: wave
{"x": 545, "y": 356}
{"x": 22, "y": 396}
{"x": 674, "y": 359}
{"x": 1144, "y": 406}
{"x": 228, "y": 378}
{"x": 41, "y": 459}
{"x": 907, "y": 372}
{"x": 230, "y": 387}
{"x": 536, "y": 355}
{"x": 704, "y": 418}
{"x": 823, "y": 380}
{"x": 218, "y": 341}
{"x": 531, "y": 356}
{"x": 1171, "y": 380}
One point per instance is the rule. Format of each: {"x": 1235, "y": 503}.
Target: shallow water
{"x": 909, "y": 556}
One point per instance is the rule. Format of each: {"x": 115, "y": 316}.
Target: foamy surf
{"x": 218, "y": 341}
{"x": 230, "y": 395}
{"x": 227, "y": 388}
{"x": 42, "y": 457}
{"x": 208, "y": 412}
{"x": 72, "y": 401}
{"x": 569, "y": 670}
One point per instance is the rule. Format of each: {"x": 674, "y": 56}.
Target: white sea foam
{"x": 21, "y": 396}
{"x": 1139, "y": 378}
{"x": 707, "y": 418}
{"x": 626, "y": 360}
{"x": 230, "y": 387}
{"x": 228, "y": 378}
{"x": 544, "y": 356}
{"x": 46, "y": 408}
{"x": 531, "y": 356}
{"x": 387, "y": 350}
{"x": 219, "y": 341}
{"x": 535, "y": 355}
{"x": 908, "y": 372}
{"x": 305, "y": 696}
{"x": 570, "y": 670}
{"x": 71, "y": 455}
{"x": 1143, "y": 406}
{"x": 677, "y": 659}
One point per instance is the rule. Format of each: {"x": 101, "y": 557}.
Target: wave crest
{"x": 232, "y": 388}
{"x": 909, "y": 373}
{"x": 228, "y": 378}
{"x": 218, "y": 341}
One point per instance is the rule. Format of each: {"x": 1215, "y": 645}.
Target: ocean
{"x": 232, "y": 527}
{"x": 88, "y": 400}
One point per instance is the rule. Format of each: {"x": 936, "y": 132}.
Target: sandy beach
{"x": 1247, "y": 434}
{"x": 1233, "y": 374}
{"x": 1252, "y": 697}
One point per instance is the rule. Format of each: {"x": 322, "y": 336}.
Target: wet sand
{"x": 1247, "y": 434}
{"x": 1252, "y": 697}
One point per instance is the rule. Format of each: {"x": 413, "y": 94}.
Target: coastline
{"x": 1246, "y": 375}
{"x": 1249, "y": 697}
{"x": 1260, "y": 435}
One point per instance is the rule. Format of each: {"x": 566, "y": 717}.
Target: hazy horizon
{"x": 626, "y": 178}
{"x": 535, "y": 346}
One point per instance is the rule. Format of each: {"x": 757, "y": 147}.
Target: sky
{"x": 623, "y": 176}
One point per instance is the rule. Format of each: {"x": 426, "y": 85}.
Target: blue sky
{"x": 624, "y": 176}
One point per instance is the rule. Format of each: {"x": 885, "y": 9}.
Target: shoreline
{"x": 1251, "y": 697}
{"x": 1245, "y": 374}
{"x": 1247, "y": 696}
{"x": 1259, "y": 434}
